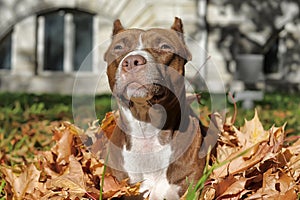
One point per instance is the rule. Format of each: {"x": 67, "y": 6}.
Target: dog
{"x": 158, "y": 137}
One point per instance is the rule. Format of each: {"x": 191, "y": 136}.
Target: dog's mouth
{"x": 137, "y": 92}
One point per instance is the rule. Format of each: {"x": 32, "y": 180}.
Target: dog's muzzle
{"x": 139, "y": 77}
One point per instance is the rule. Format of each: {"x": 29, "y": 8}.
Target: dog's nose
{"x": 132, "y": 63}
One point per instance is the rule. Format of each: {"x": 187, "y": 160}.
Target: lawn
{"x": 23, "y": 113}
{"x": 27, "y": 120}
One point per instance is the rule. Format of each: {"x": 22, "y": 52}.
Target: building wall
{"x": 26, "y": 74}
{"x": 212, "y": 54}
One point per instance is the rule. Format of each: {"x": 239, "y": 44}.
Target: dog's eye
{"x": 118, "y": 47}
{"x": 165, "y": 47}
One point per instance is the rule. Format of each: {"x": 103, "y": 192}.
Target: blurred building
{"x": 44, "y": 43}
{"x": 258, "y": 35}
{"x": 50, "y": 45}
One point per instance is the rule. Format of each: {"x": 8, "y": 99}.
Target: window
{"x": 83, "y": 40}
{"x": 54, "y": 41}
{"x": 5, "y": 52}
{"x": 65, "y": 39}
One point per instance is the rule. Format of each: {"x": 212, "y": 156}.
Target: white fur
{"x": 141, "y": 52}
{"x": 150, "y": 73}
{"x": 140, "y": 45}
{"x": 138, "y": 51}
{"x": 148, "y": 160}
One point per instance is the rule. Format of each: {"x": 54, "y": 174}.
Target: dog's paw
{"x": 165, "y": 191}
{"x": 160, "y": 190}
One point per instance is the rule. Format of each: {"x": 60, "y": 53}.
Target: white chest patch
{"x": 147, "y": 160}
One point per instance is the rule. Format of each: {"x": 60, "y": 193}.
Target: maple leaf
{"x": 26, "y": 182}
{"x": 72, "y": 180}
{"x": 256, "y": 164}
{"x": 66, "y": 126}
{"x": 63, "y": 148}
{"x": 252, "y": 132}
{"x": 238, "y": 163}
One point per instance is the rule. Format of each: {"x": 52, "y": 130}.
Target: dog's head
{"x": 147, "y": 66}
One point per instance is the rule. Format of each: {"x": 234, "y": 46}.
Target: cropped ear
{"x": 117, "y": 27}
{"x": 177, "y": 25}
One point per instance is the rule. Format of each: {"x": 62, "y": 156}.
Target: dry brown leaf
{"x": 224, "y": 152}
{"x": 285, "y": 183}
{"x": 73, "y": 179}
{"x": 294, "y": 166}
{"x": 252, "y": 132}
{"x": 240, "y": 164}
{"x": 109, "y": 123}
{"x": 277, "y": 135}
{"x": 261, "y": 166}
{"x": 295, "y": 147}
{"x": 63, "y": 148}
{"x": 113, "y": 189}
{"x": 65, "y": 126}
{"x": 234, "y": 190}
{"x": 26, "y": 182}
{"x": 291, "y": 194}
{"x": 283, "y": 157}
{"x": 224, "y": 184}
{"x": 276, "y": 185}
{"x": 111, "y": 184}
{"x": 208, "y": 193}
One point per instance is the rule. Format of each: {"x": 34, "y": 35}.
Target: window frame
{"x": 8, "y": 35}
{"x": 69, "y": 43}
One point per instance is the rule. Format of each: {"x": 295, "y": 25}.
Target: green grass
{"x": 24, "y": 118}
{"x": 22, "y": 108}
{"x": 2, "y": 185}
{"x": 25, "y": 121}
{"x": 275, "y": 109}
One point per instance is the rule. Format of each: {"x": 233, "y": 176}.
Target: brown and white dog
{"x": 158, "y": 138}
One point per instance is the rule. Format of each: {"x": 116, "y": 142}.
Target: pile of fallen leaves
{"x": 252, "y": 164}
{"x": 70, "y": 170}
{"x": 22, "y": 141}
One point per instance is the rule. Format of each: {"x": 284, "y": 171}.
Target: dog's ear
{"x": 177, "y": 25}
{"x": 117, "y": 27}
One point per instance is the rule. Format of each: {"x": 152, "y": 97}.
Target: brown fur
{"x": 188, "y": 165}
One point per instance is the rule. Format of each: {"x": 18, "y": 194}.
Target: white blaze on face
{"x": 140, "y": 45}
{"x": 147, "y": 77}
